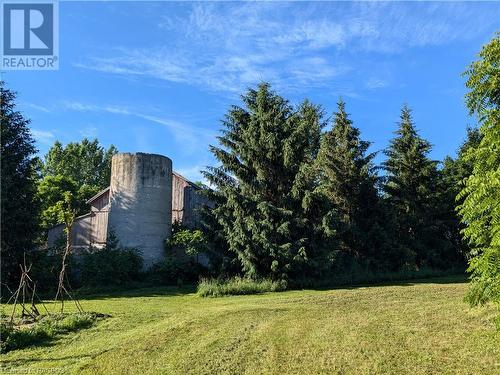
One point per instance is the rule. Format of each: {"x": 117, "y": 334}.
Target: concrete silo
{"x": 141, "y": 203}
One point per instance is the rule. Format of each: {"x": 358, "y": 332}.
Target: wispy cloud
{"x": 38, "y": 107}
{"x": 376, "y": 83}
{"x": 43, "y": 136}
{"x": 226, "y": 47}
{"x": 190, "y": 136}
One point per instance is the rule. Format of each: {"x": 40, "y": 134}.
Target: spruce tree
{"x": 348, "y": 182}
{"x": 453, "y": 176}
{"x": 19, "y": 206}
{"x": 411, "y": 191}
{"x": 263, "y": 187}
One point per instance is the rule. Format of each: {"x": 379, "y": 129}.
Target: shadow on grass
{"x": 138, "y": 291}
{"x": 164, "y": 291}
{"x": 448, "y": 279}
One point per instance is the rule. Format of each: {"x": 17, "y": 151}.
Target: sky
{"x": 158, "y": 77}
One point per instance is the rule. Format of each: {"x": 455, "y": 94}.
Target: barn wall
{"x": 179, "y": 185}
{"x": 100, "y": 202}
{"x": 88, "y": 230}
{"x": 187, "y": 201}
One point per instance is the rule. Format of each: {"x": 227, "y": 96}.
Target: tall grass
{"x": 237, "y": 286}
{"x": 45, "y": 329}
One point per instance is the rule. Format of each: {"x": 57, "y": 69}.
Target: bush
{"x": 110, "y": 266}
{"x": 43, "y": 330}
{"x": 238, "y": 286}
{"x": 181, "y": 261}
{"x": 176, "y": 270}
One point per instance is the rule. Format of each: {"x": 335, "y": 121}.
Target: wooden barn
{"x": 91, "y": 229}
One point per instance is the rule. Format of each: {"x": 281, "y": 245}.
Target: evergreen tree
{"x": 263, "y": 188}
{"x": 411, "y": 191}
{"x": 348, "y": 183}
{"x": 452, "y": 180}
{"x": 480, "y": 208}
{"x": 19, "y": 207}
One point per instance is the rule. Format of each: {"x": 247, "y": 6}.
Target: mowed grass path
{"x": 413, "y": 328}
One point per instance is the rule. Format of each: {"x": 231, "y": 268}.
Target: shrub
{"x": 176, "y": 270}
{"x": 110, "y": 266}
{"x": 181, "y": 261}
{"x": 191, "y": 241}
{"x": 238, "y": 286}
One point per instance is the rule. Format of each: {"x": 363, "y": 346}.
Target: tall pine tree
{"x": 263, "y": 188}
{"x": 19, "y": 208}
{"x": 348, "y": 183}
{"x": 411, "y": 191}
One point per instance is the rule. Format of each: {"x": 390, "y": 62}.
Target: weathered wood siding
{"x": 92, "y": 229}
{"x": 186, "y": 201}
{"x": 101, "y": 202}
{"x": 88, "y": 230}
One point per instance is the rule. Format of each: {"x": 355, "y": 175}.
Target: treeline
{"x": 34, "y": 191}
{"x": 300, "y": 199}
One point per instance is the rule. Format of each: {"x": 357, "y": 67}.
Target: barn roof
{"x": 185, "y": 179}
{"x": 98, "y": 195}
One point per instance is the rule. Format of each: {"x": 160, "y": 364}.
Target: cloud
{"x": 376, "y": 83}
{"x": 190, "y": 136}
{"x": 43, "y": 136}
{"x": 225, "y": 47}
{"x": 38, "y": 107}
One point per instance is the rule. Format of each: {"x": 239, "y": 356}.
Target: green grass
{"x": 406, "y": 328}
{"x": 43, "y": 330}
{"x": 237, "y": 286}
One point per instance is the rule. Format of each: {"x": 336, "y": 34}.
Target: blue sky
{"x": 158, "y": 77}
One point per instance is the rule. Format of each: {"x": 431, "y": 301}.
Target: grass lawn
{"x": 407, "y": 328}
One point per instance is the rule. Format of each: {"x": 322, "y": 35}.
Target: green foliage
{"x": 111, "y": 265}
{"x": 480, "y": 208}
{"x": 411, "y": 192}
{"x": 176, "y": 270}
{"x": 264, "y": 187}
{"x": 181, "y": 261}
{"x": 238, "y": 286}
{"x": 43, "y": 330}
{"x": 81, "y": 169}
{"x": 191, "y": 241}
{"x": 453, "y": 176}
{"x": 85, "y": 162}
{"x": 60, "y": 199}
{"x": 348, "y": 185}
{"x": 19, "y": 207}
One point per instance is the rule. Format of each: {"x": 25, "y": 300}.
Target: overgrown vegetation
{"x": 111, "y": 265}
{"x": 183, "y": 252}
{"x": 43, "y": 330}
{"x": 480, "y": 208}
{"x": 297, "y": 199}
{"x": 238, "y": 286}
